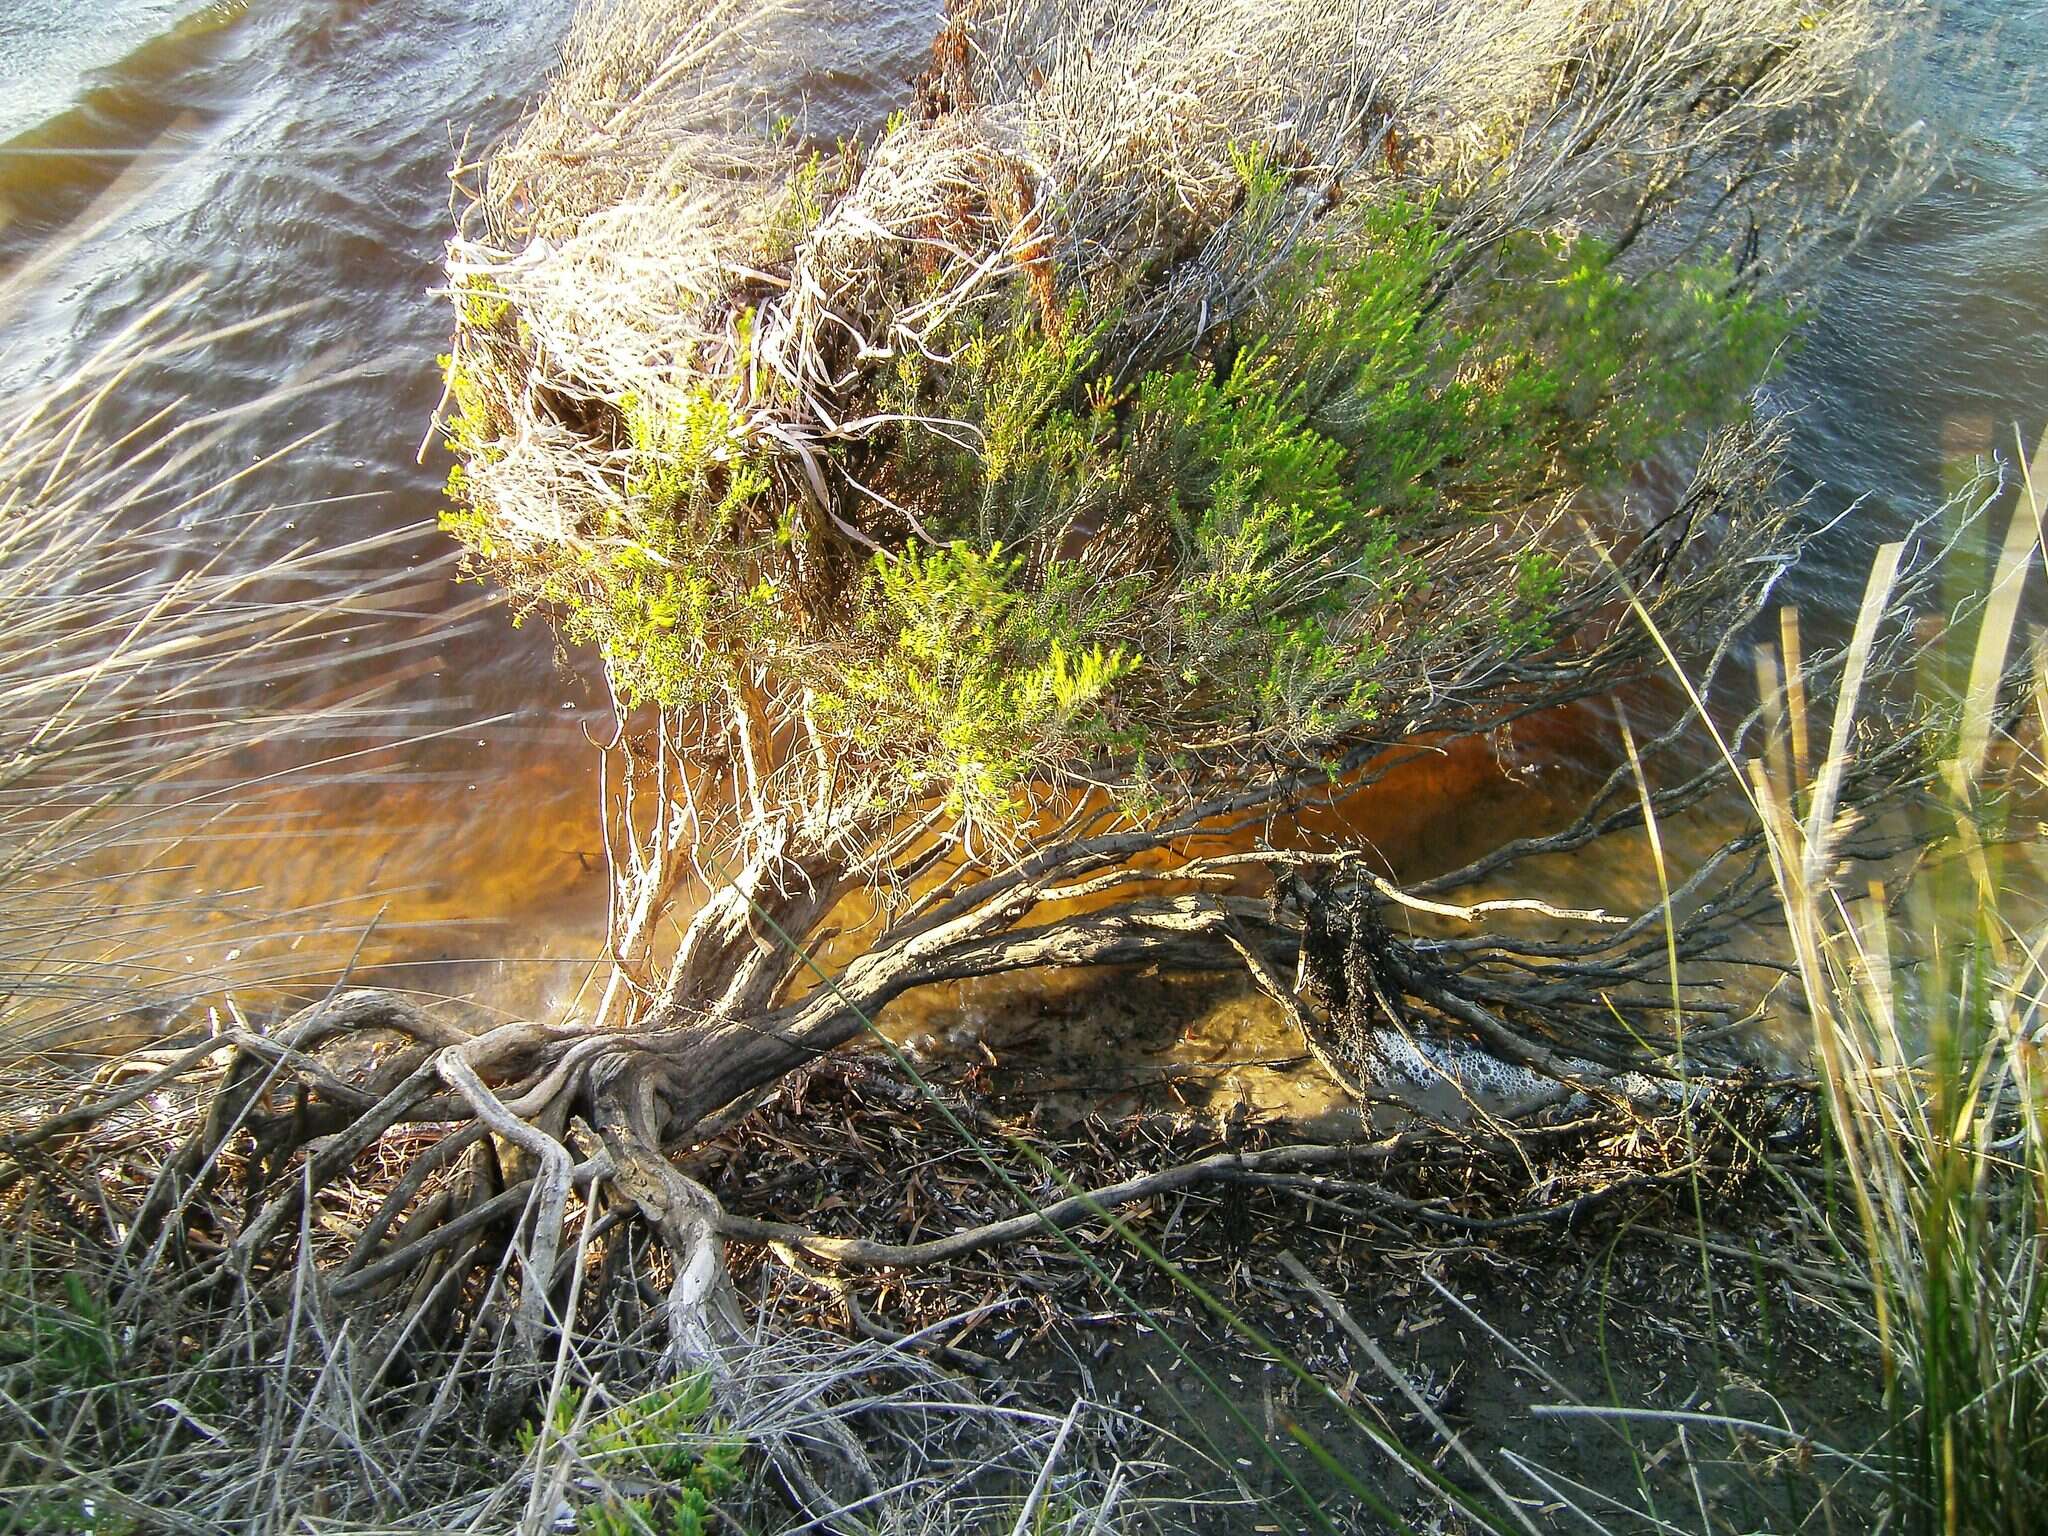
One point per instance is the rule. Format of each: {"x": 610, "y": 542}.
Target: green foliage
{"x": 1612, "y": 366}
{"x": 58, "y": 1352}
{"x": 977, "y": 674}
{"x": 1264, "y": 181}
{"x": 1553, "y": 369}
{"x": 472, "y": 435}
{"x": 60, "y": 1343}
{"x": 670, "y": 568}
{"x": 798, "y": 213}
{"x": 1525, "y": 613}
{"x": 1030, "y": 452}
{"x": 817, "y": 179}
{"x": 690, "y": 477}
{"x": 1283, "y": 473}
{"x": 669, "y": 1437}
{"x": 668, "y": 572}
{"x": 1274, "y": 552}
{"x": 1080, "y": 555}
{"x": 1018, "y": 384}
{"x": 1349, "y": 338}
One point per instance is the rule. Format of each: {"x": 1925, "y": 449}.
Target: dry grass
{"x": 1929, "y": 1026}
{"x": 130, "y": 1399}
{"x": 649, "y": 231}
{"x": 1921, "y": 997}
{"x": 231, "y": 1408}
{"x": 174, "y": 660}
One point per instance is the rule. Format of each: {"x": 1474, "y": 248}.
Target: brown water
{"x": 295, "y": 151}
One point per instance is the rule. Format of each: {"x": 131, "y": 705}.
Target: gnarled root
{"x": 707, "y": 1331}
{"x": 1502, "y": 1025}
{"x": 530, "y": 1121}
{"x": 703, "y": 1312}
{"x": 523, "y": 1177}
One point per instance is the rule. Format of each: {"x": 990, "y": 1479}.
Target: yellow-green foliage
{"x": 976, "y": 673}
{"x": 669, "y": 574}
{"x": 803, "y": 204}
{"x": 1081, "y": 557}
{"x": 668, "y": 1437}
{"x": 483, "y": 303}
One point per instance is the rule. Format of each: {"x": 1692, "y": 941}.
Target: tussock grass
{"x": 1921, "y": 997}
{"x": 1929, "y": 1027}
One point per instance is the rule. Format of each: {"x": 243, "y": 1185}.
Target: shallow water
{"x": 1932, "y": 345}
{"x": 296, "y": 152}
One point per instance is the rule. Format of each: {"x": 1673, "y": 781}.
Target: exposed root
{"x": 466, "y": 1245}
{"x": 1060, "y": 1215}
{"x": 703, "y": 1313}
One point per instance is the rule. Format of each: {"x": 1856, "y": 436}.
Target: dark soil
{"x": 1520, "y": 1299}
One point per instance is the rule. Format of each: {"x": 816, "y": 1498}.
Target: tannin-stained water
{"x": 295, "y": 153}
{"x": 295, "y": 156}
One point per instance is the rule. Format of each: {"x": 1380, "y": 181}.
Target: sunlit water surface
{"x": 295, "y": 153}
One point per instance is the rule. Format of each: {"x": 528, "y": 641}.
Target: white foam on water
{"x": 49, "y": 47}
